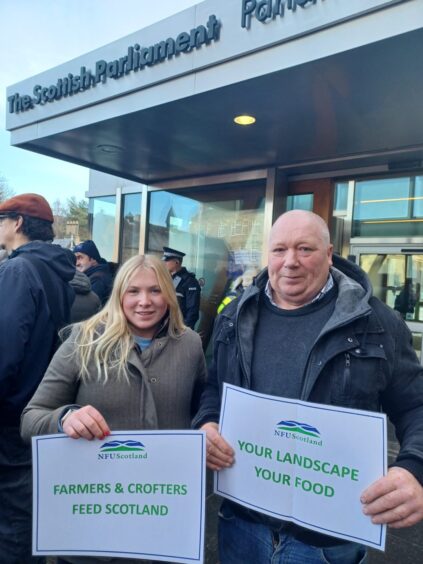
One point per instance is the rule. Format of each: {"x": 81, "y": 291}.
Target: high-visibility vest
{"x": 226, "y": 300}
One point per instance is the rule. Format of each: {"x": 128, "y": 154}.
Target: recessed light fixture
{"x": 244, "y": 120}
{"x": 109, "y": 148}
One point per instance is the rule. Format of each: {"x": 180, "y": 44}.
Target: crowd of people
{"x": 86, "y": 353}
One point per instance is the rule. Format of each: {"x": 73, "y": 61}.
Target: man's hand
{"x": 219, "y": 454}
{"x": 86, "y": 422}
{"x": 395, "y": 499}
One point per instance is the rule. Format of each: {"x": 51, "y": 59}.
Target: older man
{"x": 310, "y": 329}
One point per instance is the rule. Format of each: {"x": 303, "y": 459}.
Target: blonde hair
{"x": 106, "y": 337}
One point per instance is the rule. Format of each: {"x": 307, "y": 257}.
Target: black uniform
{"x": 188, "y": 293}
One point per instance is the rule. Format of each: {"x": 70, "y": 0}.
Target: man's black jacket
{"x": 28, "y": 329}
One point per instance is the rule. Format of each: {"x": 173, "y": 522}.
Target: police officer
{"x": 186, "y": 286}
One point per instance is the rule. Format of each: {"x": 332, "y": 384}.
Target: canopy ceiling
{"x": 358, "y": 108}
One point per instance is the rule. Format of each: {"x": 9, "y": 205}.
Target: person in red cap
{"x": 36, "y": 302}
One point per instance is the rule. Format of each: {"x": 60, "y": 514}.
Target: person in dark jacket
{"x": 310, "y": 329}
{"x": 36, "y": 303}
{"x": 406, "y": 300}
{"x": 86, "y": 303}
{"x": 186, "y": 285}
{"x": 89, "y": 261}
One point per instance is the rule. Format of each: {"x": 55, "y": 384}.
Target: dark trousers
{"x": 15, "y": 499}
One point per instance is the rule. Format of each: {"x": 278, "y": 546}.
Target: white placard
{"x": 134, "y": 495}
{"x": 303, "y": 462}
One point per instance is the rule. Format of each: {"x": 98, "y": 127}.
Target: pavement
{"x": 403, "y": 546}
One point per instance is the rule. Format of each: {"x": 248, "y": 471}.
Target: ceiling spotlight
{"x": 109, "y": 149}
{"x": 244, "y": 120}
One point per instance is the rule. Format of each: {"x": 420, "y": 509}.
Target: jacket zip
{"x": 305, "y": 393}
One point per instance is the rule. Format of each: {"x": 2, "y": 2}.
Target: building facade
{"x": 335, "y": 88}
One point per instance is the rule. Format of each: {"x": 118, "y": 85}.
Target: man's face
{"x": 84, "y": 262}
{"x": 299, "y": 260}
{"x": 172, "y": 265}
{"x": 8, "y": 230}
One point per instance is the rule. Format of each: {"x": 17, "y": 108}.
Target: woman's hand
{"x": 86, "y": 422}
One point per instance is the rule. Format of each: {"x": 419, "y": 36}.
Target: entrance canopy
{"x": 339, "y": 92}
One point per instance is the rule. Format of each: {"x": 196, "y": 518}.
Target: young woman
{"x": 134, "y": 365}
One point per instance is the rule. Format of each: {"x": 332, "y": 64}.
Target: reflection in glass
{"x": 397, "y": 280}
{"x": 388, "y": 207}
{"x": 130, "y": 226}
{"x": 102, "y": 214}
{"x": 219, "y": 229}
{"x": 418, "y": 201}
{"x": 300, "y": 202}
{"x": 341, "y": 197}
{"x": 385, "y": 198}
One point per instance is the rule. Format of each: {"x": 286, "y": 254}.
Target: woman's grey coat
{"x": 163, "y": 385}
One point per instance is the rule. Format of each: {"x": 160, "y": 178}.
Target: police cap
{"x": 169, "y": 254}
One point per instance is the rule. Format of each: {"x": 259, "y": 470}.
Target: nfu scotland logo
{"x": 294, "y": 430}
{"x": 122, "y": 449}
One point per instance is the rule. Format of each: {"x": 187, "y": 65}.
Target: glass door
{"x": 220, "y": 228}
{"x": 396, "y": 275}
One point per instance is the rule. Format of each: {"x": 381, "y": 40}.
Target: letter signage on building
{"x": 135, "y": 59}
{"x": 265, "y": 10}
{"x": 219, "y": 32}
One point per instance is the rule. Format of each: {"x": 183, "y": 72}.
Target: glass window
{"x": 388, "y": 207}
{"x": 397, "y": 280}
{"x": 221, "y": 231}
{"x": 418, "y": 197}
{"x": 130, "y": 226}
{"x": 300, "y": 202}
{"x": 341, "y": 197}
{"x": 102, "y": 215}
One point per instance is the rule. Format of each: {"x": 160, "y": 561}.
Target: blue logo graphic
{"x": 296, "y": 427}
{"x": 122, "y": 446}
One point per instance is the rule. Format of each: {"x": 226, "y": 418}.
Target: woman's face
{"x": 143, "y": 303}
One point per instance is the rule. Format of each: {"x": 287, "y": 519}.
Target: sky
{"x": 38, "y": 35}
